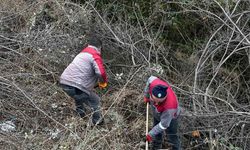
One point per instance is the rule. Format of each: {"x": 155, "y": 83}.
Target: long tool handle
{"x": 147, "y": 125}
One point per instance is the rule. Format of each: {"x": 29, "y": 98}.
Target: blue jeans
{"x": 80, "y": 97}
{"x": 171, "y": 132}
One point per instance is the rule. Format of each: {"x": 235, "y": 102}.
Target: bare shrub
{"x": 200, "y": 47}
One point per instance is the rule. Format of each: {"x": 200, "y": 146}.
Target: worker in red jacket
{"x": 165, "y": 108}
{"x": 82, "y": 75}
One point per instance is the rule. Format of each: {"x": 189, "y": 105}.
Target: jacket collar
{"x": 97, "y": 49}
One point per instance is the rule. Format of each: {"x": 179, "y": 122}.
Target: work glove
{"x": 148, "y": 138}
{"x": 102, "y": 85}
{"x": 196, "y": 134}
{"x": 146, "y": 100}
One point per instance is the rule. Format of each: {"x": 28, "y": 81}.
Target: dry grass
{"x": 39, "y": 38}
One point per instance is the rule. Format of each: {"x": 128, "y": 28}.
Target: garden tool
{"x": 147, "y": 125}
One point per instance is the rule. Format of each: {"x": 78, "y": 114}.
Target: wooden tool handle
{"x": 147, "y": 125}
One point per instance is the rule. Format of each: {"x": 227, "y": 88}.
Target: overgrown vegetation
{"x": 201, "y": 47}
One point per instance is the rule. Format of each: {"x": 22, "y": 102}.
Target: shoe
{"x": 79, "y": 114}
{"x": 99, "y": 122}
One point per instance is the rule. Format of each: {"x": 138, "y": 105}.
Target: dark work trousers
{"x": 80, "y": 97}
{"x": 171, "y": 132}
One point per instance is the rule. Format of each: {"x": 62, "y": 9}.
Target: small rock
{"x": 8, "y": 126}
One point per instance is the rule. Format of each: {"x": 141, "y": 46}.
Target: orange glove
{"x": 196, "y": 134}
{"x": 102, "y": 85}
